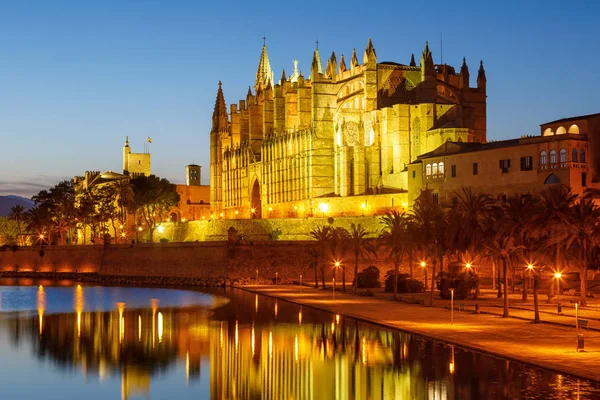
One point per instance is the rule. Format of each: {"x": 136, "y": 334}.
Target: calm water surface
{"x": 82, "y": 342}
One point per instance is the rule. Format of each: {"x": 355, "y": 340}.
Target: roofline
{"x": 571, "y": 119}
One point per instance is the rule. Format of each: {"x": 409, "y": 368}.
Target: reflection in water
{"x": 305, "y": 354}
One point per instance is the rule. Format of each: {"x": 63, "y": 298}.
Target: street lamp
{"x": 530, "y": 269}
{"x": 424, "y": 266}
{"x": 336, "y": 265}
{"x": 558, "y": 275}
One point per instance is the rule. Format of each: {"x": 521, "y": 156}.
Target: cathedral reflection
{"x": 303, "y": 354}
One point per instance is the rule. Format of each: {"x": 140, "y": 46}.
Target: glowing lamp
{"x": 422, "y": 263}
{"x": 323, "y": 207}
{"x": 236, "y": 212}
{"x": 530, "y": 266}
{"x": 468, "y": 265}
{"x": 558, "y": 275}
{"x": 140, "y": 228}
{"x": 253, "y": 210}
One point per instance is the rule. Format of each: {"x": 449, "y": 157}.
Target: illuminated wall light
{"x": 221, "y": 215}
{"x": 270, "y": 209}
{"x": 323, "y": 207}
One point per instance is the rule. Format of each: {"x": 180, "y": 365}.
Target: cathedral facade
{"x": 338, "y": 142}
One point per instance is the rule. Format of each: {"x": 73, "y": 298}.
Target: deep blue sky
{"x": 76, "y": 77}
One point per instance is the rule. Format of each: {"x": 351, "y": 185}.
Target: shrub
{"x": 274, "y": 235}
{"x": 465, "y": 285}
{"x": 163, "y": 240}
{"x": 405, "y": 283}
{"x": 368, "y": 278}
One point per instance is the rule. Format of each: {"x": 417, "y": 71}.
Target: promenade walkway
{"x": 548, "y": 345}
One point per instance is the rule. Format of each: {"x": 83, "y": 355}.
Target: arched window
{"x": 548, "y": 132}
{"x": 574, "y": 155}
{"x": 574, "y": 129}
{"x": 582, "y": 155}
{"x": 434, "y": 169}
{"x": 441, "y": 168}
{"x": 561, "y": 130}
{"x": 552, "y": 156}
{"x": 428, "y": 170}
{"x": 543, "y": 159}
{"x": 562, "y": 156}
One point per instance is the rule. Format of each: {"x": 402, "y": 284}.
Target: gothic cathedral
{"x": 339, "y": 142}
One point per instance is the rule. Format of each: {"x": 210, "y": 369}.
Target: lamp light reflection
{"x": 270, "y": 344}
{"x": 121, "y": 307}
{"x": 41, "y": 306}
{"x": 296, "y": 348}
{"x": 253, "y": 339}
{"x": 160, "y": 327}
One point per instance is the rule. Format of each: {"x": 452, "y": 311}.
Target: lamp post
{"x": 424, "y": 266}
{"x": 530, "y": 269}
{"x": 558, "y": 275}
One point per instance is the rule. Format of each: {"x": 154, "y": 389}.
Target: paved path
{"x": 547, "y": 345}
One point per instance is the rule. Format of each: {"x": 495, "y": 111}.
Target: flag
{"x": 149, "y": 139}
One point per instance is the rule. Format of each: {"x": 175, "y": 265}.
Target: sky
{"x": 77, "y": 77}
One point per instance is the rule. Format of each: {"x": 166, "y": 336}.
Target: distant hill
{"x": 6, "y": 202}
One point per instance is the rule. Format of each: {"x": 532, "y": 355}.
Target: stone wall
{"x": 288, "y": 259}
{"x": 259, "y": 229}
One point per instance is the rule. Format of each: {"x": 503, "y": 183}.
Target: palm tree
{"x": 17, "y": 213}
{"x": 392, "y": 237}
{"x": 581, "y": 227}
{"x": 124, "y": 192}
{"x": 501, "y": 247}
{"x": 430, "y": 228}
{"x": 322, "y": 235}
{"x": 339, "y": 237}
{"x": 37, "y": 220}
{"x": 360, "y": 246}
{"x": 519, "y": 215}
{"x": 555, "y": 204}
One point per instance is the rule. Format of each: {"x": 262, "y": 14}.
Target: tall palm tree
{"x": 124, "y": 193}
{"x": 519, "y": 216}
{"x": 581, "y": 227}
{"x": 17, "y": 213}
{"x": 37, "y": 221}
{"x": 555, "y": 204}
{"x": 322, "y": 235}
{"x": 392, "y": 237}
{"x": 339, "y": 238}
{"x": 502, "y": 247}
{"x": 471, "y": 220}
{"x": 360, "y": 245}
{"x": 431, "y": 228}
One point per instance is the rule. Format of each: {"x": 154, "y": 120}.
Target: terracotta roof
{"x": 571, "y": 119}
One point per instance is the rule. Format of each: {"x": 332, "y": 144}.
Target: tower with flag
{"x": 136, "y": 164}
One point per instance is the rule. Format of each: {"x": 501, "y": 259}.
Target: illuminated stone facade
{"x": 502, "y": 168}
{"x": 340, "y": 141}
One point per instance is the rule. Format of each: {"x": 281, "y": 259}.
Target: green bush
{"x": 465, "y": 285}
{"x": 368, "y": 278}
{"x": 274, "y": 235}
{"x": 163, "y": 240}
{"x": 405, "y": 283}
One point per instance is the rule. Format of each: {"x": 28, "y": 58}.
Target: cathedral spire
{"x": 369, "y": 52}
{"x": 464, "y": 75}
{"x": 316, "y": 68}
{"x": 220, "y": 112}
{"x": 481, "y": 79}
{"x": 427, "y": 67}
{"x": 412, "y": 60}
{"x": 264, "y": 73}
{"x": 342, "y": 64}
{"x": 283, "y": 77}
{"x": 354, "y": 60}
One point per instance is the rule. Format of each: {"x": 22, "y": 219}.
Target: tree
{"x": 392, "y": 237}
{"x": 37, "y": 221}
{"x": 9, "y": 232}
{"x": 125, "y": 197}
{"x": 555, "y": 204}
{"x": 152, "y": 198}
{"x": 501, "y": 247}
{"x": 322, "y": 235}
{"x": 581, "y": 228}
{"x": 360, "y": 246}
{"x": 339, "y": 237}
{"x": 430, "y": 227}
{"x": 17, "y": 214}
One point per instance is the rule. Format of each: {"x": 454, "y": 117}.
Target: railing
{"x": 562, "y": 165}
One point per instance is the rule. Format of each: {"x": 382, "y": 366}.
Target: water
{"x": 74, "y": 342}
